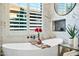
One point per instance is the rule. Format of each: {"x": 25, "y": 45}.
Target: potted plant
{"x": 72, "y": 31}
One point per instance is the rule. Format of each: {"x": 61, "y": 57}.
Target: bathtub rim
{"x": 4, "y": 45}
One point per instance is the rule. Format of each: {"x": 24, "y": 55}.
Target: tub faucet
{"x": 32, "y": 36}
{"x": 27, "y": 37}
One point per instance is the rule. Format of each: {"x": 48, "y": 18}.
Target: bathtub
{"x": 27, "y": 49}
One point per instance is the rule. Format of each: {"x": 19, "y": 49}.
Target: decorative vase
{"x": 38, "y": 30}
{"x": 39, "y": 40}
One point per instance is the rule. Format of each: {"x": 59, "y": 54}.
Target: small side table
{"x": 66, "y": 46}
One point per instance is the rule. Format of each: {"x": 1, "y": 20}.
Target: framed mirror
{"x": 64, "y": 8}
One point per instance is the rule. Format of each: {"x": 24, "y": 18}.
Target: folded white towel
{"x": 71, "y": 53}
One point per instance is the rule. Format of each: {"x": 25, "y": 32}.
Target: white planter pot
{"x": 70, "y": 41}
{"x": 73, "y": 42}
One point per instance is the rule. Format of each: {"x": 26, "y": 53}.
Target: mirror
{"x": 63, "y": 8}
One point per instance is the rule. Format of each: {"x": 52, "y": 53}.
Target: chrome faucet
{"x": 32, "y": 36}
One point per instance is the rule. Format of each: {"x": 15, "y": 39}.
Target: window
{"x": 19, "y": 22}
{"x": 35, "y": 6}
{"x": 35, "y": 20}
{"x": 19, "y": 18}
{"x": 35, "y": 15}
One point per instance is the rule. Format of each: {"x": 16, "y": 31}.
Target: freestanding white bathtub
{"x": 27, "y": 49}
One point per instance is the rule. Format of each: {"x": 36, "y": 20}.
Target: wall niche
{"x": 60, "y": 25}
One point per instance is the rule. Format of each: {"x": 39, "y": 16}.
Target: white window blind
{"x": 35, "y": 15}
{"x": 19, "y": 21}
{"x": 35, "y": 20}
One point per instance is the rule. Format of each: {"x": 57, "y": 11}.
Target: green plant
{"x": 72, "y": 31}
